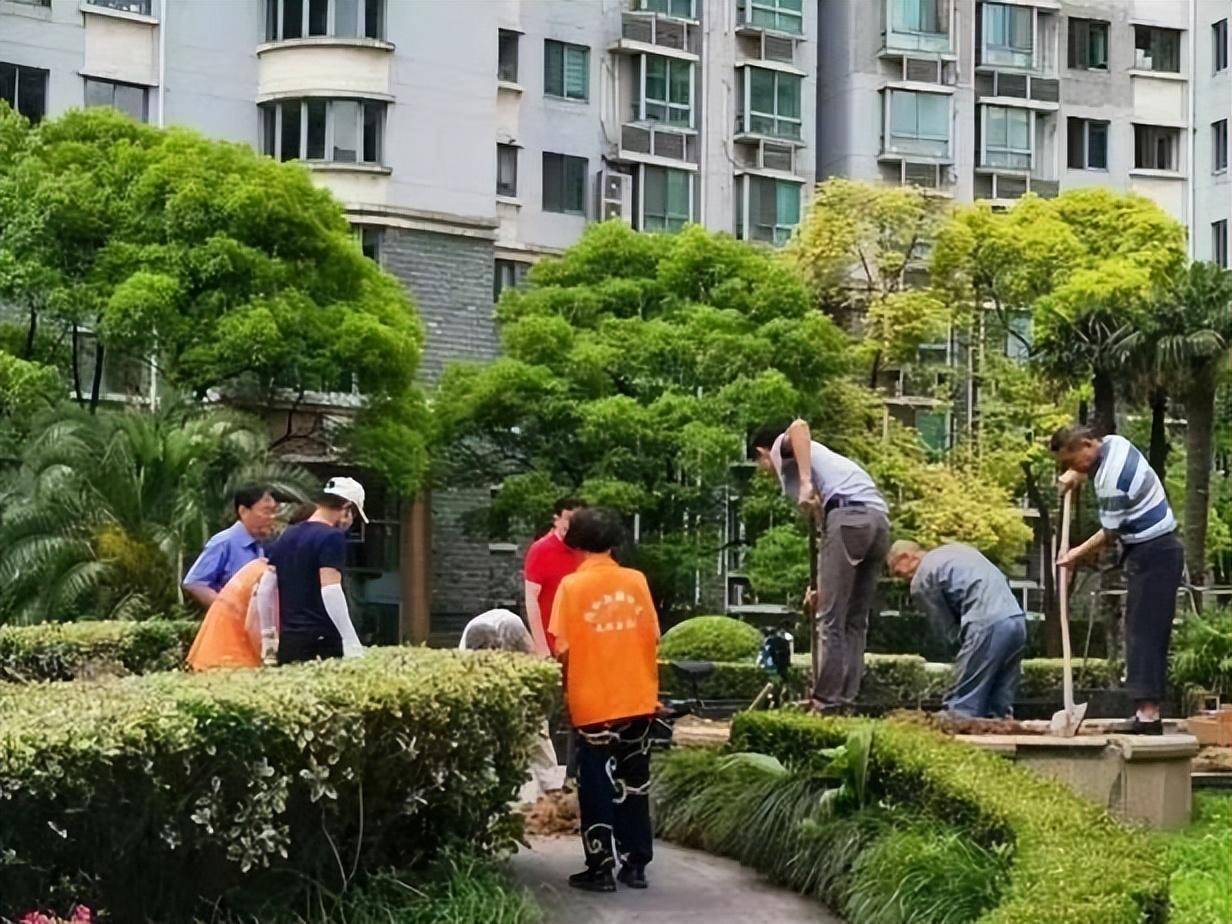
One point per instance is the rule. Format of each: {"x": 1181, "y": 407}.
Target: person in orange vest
{"x": 232, "y": 634}
{"x": 607, "y": 637}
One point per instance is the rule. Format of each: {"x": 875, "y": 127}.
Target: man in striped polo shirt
{"x": 1134, "y": 509}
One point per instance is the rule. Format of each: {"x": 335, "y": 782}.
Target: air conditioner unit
{"x": 615, "y": 196}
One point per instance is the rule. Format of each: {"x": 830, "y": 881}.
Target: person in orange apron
{"x": 232, "y": 633}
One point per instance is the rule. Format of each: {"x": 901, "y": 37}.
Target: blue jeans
{"x": 989, "y": 665}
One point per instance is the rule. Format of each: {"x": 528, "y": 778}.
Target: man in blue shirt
{"x": 855, "y": 538}
{"x": 230, "y": 550}
{"x": 957, "y": 588}
{"x": 1133, "y": 509}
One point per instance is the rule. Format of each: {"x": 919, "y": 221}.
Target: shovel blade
{"x": 1065, "y": 724}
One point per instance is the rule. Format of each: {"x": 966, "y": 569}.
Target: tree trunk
{"x": 96, "y": 385}
{"x": 1084, "y": 412}
{"x": 76, "y": 365}
{"x": 1158, "y": 454}
{"x": 876, "y": 371}
{"x": 1052, "y": 612}
{"x": 1199, "y": 435}
{"x": 31, "y": 333}
{"x": 1104, "y": 420}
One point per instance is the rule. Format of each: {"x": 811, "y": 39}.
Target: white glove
{"x": 336, "y": 606}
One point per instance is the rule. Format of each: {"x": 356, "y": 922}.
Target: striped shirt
{"x": 833, "y": 476}
{"x": 1131, "y": 498}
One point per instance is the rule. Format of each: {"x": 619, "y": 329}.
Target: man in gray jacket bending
{"x": 958, "y": 588}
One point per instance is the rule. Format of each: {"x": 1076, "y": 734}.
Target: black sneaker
{"x": 593, "y": 880}
{"x": 1135, "y": 726}
{"x": 632, "y": 876}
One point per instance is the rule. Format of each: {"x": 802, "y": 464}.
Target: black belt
{"x": 836, "y": 502}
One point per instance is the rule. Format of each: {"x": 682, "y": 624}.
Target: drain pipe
{"x": 1192, "y": 217}
{"x": 162, "y": 62}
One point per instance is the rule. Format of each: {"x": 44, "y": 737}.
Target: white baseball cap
{"x": 348, "y": 489}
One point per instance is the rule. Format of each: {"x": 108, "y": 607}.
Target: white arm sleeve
{"x": 336, "y": 605}
{"x": 266, "y": 599}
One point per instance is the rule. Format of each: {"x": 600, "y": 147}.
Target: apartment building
{"x": 466, "y": 139}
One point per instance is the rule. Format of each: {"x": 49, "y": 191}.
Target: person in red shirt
{"x": 607, "y": 637}
{"x": 548, "y": 561}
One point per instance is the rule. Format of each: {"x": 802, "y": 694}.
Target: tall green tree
{"x": 1087, "y": 266}
{"x": 229, "y": 271}
{"x": 105, "y": 507}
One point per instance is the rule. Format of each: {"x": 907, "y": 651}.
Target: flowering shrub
{"x": 79, "y": 915}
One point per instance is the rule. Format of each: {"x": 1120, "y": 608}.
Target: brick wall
{"x": 450, "y": 278}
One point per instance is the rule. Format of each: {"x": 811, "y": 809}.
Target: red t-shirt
{"x": 548, "y": 562}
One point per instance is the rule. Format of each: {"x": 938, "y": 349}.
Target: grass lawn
{"x": 1201, "y": 861}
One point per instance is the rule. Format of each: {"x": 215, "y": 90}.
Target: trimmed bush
{"x": 894, "y": 679}
{"x": 1071, "y": 862}
{"x": 1043, "y": 677}
{"x": 159, "y": 795}
{"x": 87, "y": 650}
{"x": 730, "y": 681}
{"x": 710, "y": 638}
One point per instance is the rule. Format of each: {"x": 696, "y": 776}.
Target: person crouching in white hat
{"x": 308, "y": 558}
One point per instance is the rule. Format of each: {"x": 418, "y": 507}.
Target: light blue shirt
{"x": 225, "y": 554}
{"x": 956, "y": 586}
{"x": 833, "y": 476}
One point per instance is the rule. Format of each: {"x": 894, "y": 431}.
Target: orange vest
{"x": 604, "y": 618}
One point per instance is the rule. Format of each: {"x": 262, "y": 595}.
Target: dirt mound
{"x": 555, "y": 813}
{"x": 950, "y": 724}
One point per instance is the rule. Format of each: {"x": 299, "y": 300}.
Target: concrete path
{"x": 686, "y": 887}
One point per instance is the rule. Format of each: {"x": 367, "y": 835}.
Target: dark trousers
{"x": 852, "y": 556}
{"x": 989, "y": 666}
{"x": 1153, "y": 572}
{"x": 614, "y": 793}
{"x": 308, "y": 646}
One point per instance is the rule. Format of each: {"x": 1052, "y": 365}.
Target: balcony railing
{"x": 652, "y": 140}
{"x": 652, "y": 29}
{"x": 1013, "y": 186}
{"x": 1017, "y": 86}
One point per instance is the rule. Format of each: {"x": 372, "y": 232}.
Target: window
{"x": 25, "y": 89}
{"x": 1219, "y": 145}
{"x": 341, "y": 131}
{"x": 1018, "y": 337}
{"x": 509, "y": 273}
{"x": 292, "y": 19}
{"x": 1219, "y": 242}
{"x": 507, "y": 56}
{"x": 1007, "y": 137}
{"x": 780, "y": 15}
{"x": 127, "y": 98}
{"x": 772, "y": 101}
{"x": 370, "y": 240}
{"x": 506, "y": 170}
{"x": 667, "y": 199}
{"x": 127, "y": 6}
{"x": 682, "y": 9}
{"x": 1007, "y": 35}
{"x": 566, "y": 70}
{"x": 933, "y": 428}
{"x": 1219, "y": 44}
{"x": 774, "y": 210}
{"x": 1155, "y": 147}
{"x": 1088, "y": 44}
{"x": 1088, "y": 144}
{"x": 668, "y": 90}
{"x": 927, "y": 16}
{"x": 564, "y": 184}
{"x": 1157, "y": 49}
{"x": 919, "y": 123}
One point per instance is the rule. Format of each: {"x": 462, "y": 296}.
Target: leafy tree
{"x": 1089, "y": 266}
{"x": 106, "y": 508}
{"x": 862, "y": 247}
{"x": 228, "y": 270}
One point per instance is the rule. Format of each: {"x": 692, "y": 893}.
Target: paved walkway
{"x": 686, "y": 887}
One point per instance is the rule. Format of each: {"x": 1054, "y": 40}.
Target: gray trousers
{"x": 988, "y": 667}
{"x": 852, "y": 555}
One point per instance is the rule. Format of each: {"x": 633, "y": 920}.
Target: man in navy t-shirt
{"x": 308, "y": 558}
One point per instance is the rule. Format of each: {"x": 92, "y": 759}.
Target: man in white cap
{"x": 309, "y": 558}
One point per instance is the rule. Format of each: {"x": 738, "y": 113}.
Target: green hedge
{"x": 1071, "y": 862}
{"x": 87, "y": 650}
{"x": 890, "y": 680}
{"x": 710, "y": 638}
{"x": 153, "y": 796}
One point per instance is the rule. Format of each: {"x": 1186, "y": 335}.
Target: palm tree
{"x": 105, "y": 508}
{"x": 1191, "y": 334}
